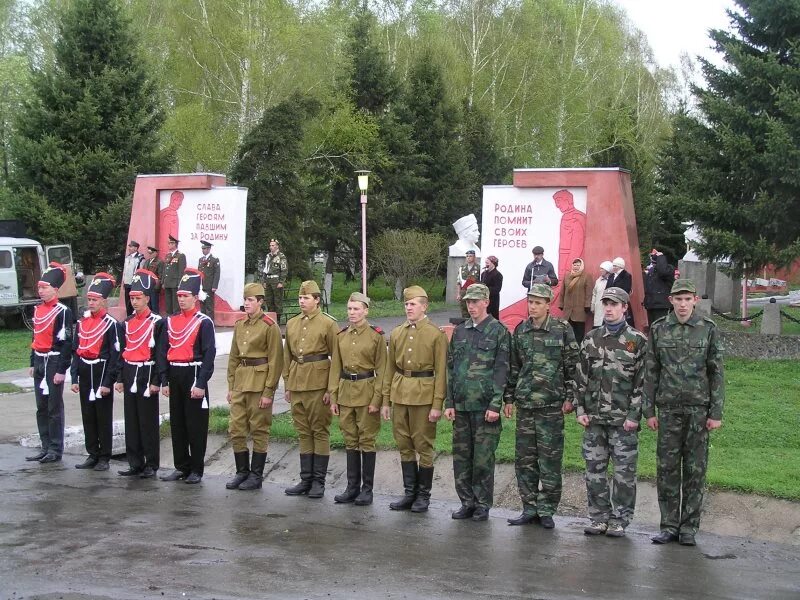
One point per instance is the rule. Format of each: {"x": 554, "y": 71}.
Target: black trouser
{"x": 128, "y": 305}
{"x": 656, "y": 313}
{"x": 579, "y": 329}
{"x": 50, "y": 406}
{"x": 97, "y": 414}
{"x": 141, "y": 418}
{"x": 188, "y": 421}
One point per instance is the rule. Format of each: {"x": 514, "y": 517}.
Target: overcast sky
{"x": 675, "y": 26}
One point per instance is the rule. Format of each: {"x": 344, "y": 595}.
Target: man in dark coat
{"x": 658, "y": 280}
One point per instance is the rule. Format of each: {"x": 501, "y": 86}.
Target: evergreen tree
{"x": 277, "y": 199}
{"x": 740, "y": 181}
{"x": 92, "y": 124}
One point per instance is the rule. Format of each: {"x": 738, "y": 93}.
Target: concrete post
{"x": 771, "y": 320}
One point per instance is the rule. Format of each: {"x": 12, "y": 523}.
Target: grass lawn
{"x": 15, "y": 349}
{"x": 757, "y": 450}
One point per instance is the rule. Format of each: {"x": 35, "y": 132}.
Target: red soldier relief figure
{"x": 571, "y": 237}
{"x": 168, "y": 222}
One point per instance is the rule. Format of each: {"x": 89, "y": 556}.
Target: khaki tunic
{"x": 254, "y": 337}
{"x": 418, "y": 347}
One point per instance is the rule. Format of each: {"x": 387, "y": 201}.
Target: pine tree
{"x": 92, "y": 124}
{"x": 740, "y": 177}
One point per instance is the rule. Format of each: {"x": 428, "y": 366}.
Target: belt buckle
{"x": 353, "y": 376}
{"x": 244, "y": 362}
{"x": 299, "y": 359}
{"x": 406, "y": 373}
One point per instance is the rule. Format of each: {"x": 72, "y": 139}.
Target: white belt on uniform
{"x": 185, "y": 364}
{"x": 146, "y": 363}
{"x": 43, "y": 354}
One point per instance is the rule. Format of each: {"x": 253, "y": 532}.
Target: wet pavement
{"x": 67, "y": 534}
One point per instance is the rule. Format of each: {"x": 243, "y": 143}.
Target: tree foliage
{"x": 734, "y": 168}
{"x": 403, "y": 256}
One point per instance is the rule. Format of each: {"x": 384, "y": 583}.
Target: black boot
{"x": 242, "y": 469}
{"x": 367, "y": 477}
{"x": 89, "y": 463}
{"x": 320, "y": 471}
{"x": 306, "y": 468}
{"x": 425, "y": 480}
{"x": 256, "y": 476}
{"x": 353, "y": 478}
{"x": 409, "y": 486}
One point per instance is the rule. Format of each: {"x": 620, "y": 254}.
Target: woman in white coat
{"x": 597, "y": 293}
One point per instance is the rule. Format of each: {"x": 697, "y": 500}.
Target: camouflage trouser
{"x": 464, "y": 311}
{"x": 539, "y": 450}
{"x": 273, "y": 296}
{"x": 474, "y": 444}
{"x": 682, "y": 457}
{"x": 601, "y": 442}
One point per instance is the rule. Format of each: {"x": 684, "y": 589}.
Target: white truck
{"x": 22, "y": 261}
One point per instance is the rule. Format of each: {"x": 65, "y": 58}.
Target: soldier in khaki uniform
{"x": 356, "y": 379}
{"x": 310, "y": 341}
{"x": 208, "y": 265}
{"x": 274, "y": 276}
{"x": 255, "y": 364}
{"x": 415, "y": 384}
{"x": 174, "y": 266}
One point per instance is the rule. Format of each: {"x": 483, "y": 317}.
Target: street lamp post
{"x": 363, "y": 182}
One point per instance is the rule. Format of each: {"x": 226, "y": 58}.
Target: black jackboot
{"x": 353, "y": 478}
{"x": 256, "y": 476}
{"x": 306, "y": 468}
{"x": 409, "y": 486}
{"x": 242, "y": 469}
{"x": 320, "y": 471}
{"x": 367, "y": 477}
{"x": 425, "y": 481}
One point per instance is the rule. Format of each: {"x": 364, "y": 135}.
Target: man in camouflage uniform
{"x": 357, "y": 373}
{"x": 608, "y": 404}
{"x": 274, "y": 276}
{"x": 255, "y": 364}
{"x": 685, "y": 382}
{"x": 310, "y": 342}
{"x": 541, "y": 383}
{"x": 477, "y": 368}
{"x": 174, "y": 267}
{"x": 208, "y": 265}
{"x": 468, "y": 273}
{"x": 415, "y": 384}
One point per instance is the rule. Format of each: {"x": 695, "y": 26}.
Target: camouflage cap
{"x": 309, "y": 287}
{"x": 359, "y": 297}
{"x": 253, "y": 290}
{"x": 683, "y": 285}
{"x": 414, "y": 291}
{"x": 541, "y": 290}
{"x": 477, "y": 291}
{"x": 617, "y": 295}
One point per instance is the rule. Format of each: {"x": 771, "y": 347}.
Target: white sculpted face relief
{"x": 468, "y": 236}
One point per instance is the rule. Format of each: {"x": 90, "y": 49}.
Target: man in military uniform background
{"x": 95, "y": 363}
{"x": 255, "y": 364}
{"x": 310, "y": 342}
{"x": 415, "y": 385}
{"x": 357, "y": 373}
{"x": 274, "y": 275}
{"x": 152, "y": 264}
{"x": 608, "y": 404}
{"x": 541, "y": 384}
{"x": 477, "y": 368}
{"x": 685, "y": 381}
{"x": 187, "y": 363}
{"x": 468, "y": 273}
{"x": 174, "y": 267}
{"x": 133, "y": 259}
{"x": 208, "y": 265}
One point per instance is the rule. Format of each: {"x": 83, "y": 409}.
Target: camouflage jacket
{"x": 684, "y": 366}
{"x": 477, "y": 366}
{"x": 542, "y": 364}
{"x": 467, "y": 271}
{"x": 610, "y": 374}
{"x": 276, "y": 268}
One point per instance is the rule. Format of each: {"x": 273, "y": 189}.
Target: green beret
{"x": 253, "y": 289}
{"x": 414, "y": 292}
{"x": 541, "y": 290}
{"x": 683, "y": 285}
{"x": 309, "y": 287}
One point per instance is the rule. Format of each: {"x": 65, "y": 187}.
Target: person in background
{"x": 174, "y": 268}
{"x": 468, "y": 273}
{"x": 493, "y": 279}
{"x": 576, "y": 298}
{"x": 539, "y": 270}
{"x": 208, "y": 265}
{"x": 133, "y": 260}
{"x": 622, "y": 279}
{"x": 597, "y": 294}
{"x": 153, "y": 265}
{"x": 658, "y": 279}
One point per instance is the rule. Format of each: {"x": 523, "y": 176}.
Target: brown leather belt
{"x": 310, "y": 358}
{"x": 356, "y": 376}
{"x": 417, "y": 373}
{"x": 253, "y": 362}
